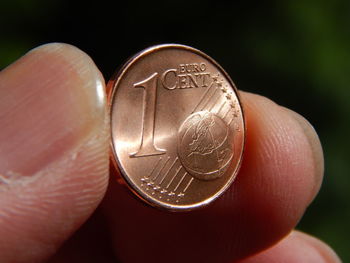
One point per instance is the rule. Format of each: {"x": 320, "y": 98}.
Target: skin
{"x": 60, "y": 200}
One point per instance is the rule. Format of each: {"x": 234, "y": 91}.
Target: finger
{"x": 54, "y": 149}
{"x": 89, "y": 244}
{"x": 297, "y": 247}
{"x": 280, "y": 175}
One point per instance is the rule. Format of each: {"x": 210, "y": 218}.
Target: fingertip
{"x": 317, "y": 158}
{"x": 326, "y": 252}
{"x": 263, "y": 109}
{"x": 51, "y": 100}
{"x": 278, "y": 169}
{"x": 277, "y": 179}
{"x": 297, "y": 247}
{"x": 54, "y": 159}
{"x": 286, "y": 145}
{"x": 79, "y": 66}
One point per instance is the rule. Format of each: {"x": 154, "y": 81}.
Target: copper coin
{"x": 177, "y": 127}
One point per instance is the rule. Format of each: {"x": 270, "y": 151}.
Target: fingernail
{"x": 316, "y": 149}
{"x": 51, "y": 101}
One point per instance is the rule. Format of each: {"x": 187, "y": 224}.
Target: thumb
{"x": 53, "y": 149}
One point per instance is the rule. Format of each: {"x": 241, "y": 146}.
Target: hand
{"x": 54, "y": 172}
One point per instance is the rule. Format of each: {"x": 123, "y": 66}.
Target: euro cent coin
{"x": 177, "y": 127}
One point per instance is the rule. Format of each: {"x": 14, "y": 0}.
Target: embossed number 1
{"x": 147, "y": 146}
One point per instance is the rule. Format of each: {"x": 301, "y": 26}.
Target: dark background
{"x": 296, "y": 52}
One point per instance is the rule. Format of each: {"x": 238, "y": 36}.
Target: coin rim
{"x": 112, "y": 88}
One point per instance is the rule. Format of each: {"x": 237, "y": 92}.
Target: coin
{"x": 177, "y": 127}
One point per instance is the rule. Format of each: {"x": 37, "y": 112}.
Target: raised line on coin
{"x": 179, "y": 183}
{"x": 215, "y": 102}
{"x": 153, "y": 169}
{"x": 221, "y": 107}
{"x": 172, "y": 179}
{"x": 208, "y": 99}
{"x": 161, "y": 181}
{"x": 201, "y": 100}
{"x": 226, "y": 114}
{"x": 161, "y": 169}
{"x": 188, "y": 185}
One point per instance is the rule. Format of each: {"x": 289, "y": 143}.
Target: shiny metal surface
{"x": 177, "y": 127}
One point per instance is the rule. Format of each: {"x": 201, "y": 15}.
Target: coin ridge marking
{"x": 156, "y": 177}
{"x": 201, "y": 99}
{"x": 145, "y": 178}
{"x": 215, "y": 102}
{"x": 172, "y": 179}
{"x": 179, "y": 183}
{"x": 208, "y": 99}
{"x": 188, "y": 185}
{"x": 221, "y": 107}
{"x": 166, "y": 174}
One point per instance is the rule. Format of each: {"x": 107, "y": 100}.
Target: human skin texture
{"x": 60, "y": 202}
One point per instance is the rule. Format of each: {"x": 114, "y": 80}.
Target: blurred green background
{"x": 295, "y": 52}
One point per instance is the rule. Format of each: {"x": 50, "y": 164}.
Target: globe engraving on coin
{"x": 177, "y": 127}
{"x": 205, "y": 143}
